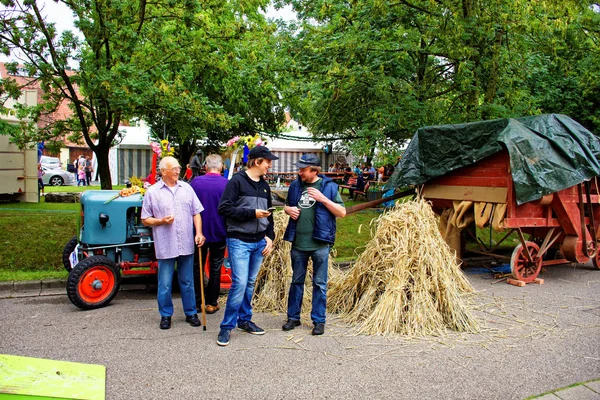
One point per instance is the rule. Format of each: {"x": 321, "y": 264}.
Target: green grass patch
{"x": 34, "y": 240}
{"x": 32, "y": 275}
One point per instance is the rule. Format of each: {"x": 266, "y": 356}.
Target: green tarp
{"x": 548, "y": 152}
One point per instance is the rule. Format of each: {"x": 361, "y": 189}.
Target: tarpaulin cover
{"x": 548, "y": 153}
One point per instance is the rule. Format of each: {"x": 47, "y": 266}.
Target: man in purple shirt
{"x": 170, "y": 207}
{"x": 209, "y": 189}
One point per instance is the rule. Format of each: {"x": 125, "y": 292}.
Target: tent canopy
{"x": 548, "y": 153}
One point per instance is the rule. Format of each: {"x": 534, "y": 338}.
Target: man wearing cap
{"x": 250, "y": 233}
{"x": 313, "y": 203}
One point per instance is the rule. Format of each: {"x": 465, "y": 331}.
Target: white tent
{"x": 132, "y": 156}
{"x": 289, "y": 151}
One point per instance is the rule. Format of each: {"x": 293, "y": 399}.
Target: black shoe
{"x": 319, "y": 329}
{"x": 290, "y": 324}
{"x": 193, "y": 320}
{"x": 165, "y": 322}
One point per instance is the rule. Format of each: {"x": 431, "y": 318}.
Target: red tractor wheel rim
{"x": 96, "y": 284}
{"x": 523, "y": 269}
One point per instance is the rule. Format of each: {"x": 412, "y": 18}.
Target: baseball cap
{"x": 308, "y": 160}
{"x": 262, "y": 152}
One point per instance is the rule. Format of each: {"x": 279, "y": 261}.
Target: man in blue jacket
{"x": 313, "y": 203}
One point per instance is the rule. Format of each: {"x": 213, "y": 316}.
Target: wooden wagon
{"x": 562, "y": 226}
{"x": 536, "y": 176}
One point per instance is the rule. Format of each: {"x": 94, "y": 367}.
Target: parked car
{"x": 57, "y": 177}
{"x": 51, "y": 162}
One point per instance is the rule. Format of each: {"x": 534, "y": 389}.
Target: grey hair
{"x": 214, "y": 162}
{"x": 163, "y": 162}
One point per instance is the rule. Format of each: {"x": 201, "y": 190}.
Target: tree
{"x": 221, "y": 86}
{"x": 373, "y": 71}
{"x": 109, "y": 81}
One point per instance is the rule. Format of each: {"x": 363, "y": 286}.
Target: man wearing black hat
{"x": 245, "y": 205}
{"x": 313, "y": 203}
{"x": 196, "y": 165}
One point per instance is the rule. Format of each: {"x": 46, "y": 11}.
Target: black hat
{"x": 198, "y": 152}
{"x": 262, "y": 152}
{"x": 308, "y": 160}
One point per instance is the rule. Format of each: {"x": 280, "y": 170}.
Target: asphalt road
{"x": 533, "y": 339}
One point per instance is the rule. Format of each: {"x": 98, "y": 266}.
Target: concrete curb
{"x": 56, "y": 287}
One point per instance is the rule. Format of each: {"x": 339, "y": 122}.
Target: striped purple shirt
{"x": 160, "y": 200}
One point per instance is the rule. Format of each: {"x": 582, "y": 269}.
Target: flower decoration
{"x": 137, "y": 187}
{"x": 249, "y": 141}
{"x": 163, "y": 148}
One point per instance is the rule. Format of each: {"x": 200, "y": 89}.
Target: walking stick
{"x": 202, "y": 288}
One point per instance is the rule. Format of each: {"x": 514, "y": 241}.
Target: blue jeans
{"x": 185, "y": 276}
{"x": 320, "y": 259}
{"x": 245, "y": 259}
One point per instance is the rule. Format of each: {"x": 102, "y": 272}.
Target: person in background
{"x": 313, "y": 203}
{"x": 380, "y": 173}
{"x": 250, "y": 232}
{"x": 188, "y": 173}
{"x": 40, "y": 180}
{"x": 209, "y": 188}
{"x": 172, "y": 209}
{"x": 81, "y": 173}
{"x": 347, "y": 174}
{"x": 88, "y": 170}
{"x": 196, "y": 164}
{"x": 371, "y": 173}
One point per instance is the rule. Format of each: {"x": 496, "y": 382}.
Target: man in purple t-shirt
{"x": 172, "y": 209}
{"x": 209, "y": 189}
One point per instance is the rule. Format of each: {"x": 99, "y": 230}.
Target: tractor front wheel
{"x": 93, "y": 282}
{"x": 523, "y": 269}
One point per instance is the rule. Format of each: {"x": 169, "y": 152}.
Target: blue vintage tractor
{"x": 112, "y": 241}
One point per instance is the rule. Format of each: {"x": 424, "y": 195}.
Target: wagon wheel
{"x": 596, "y": 258}
{"x": 93, "y": 282}
{"x": 521, "y": 268}
{"x": 67, "y": 252}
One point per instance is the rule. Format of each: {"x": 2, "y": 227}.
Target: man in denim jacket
{"x": 313, "y": 203}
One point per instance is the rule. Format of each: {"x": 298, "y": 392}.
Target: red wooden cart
{"x": 562, "y": 226}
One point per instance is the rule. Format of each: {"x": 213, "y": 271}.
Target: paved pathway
{"x": 534, "y": 341}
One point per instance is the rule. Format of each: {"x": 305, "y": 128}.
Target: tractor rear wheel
{"x": 523, "y": 269}
{"x": 93, "y": 282}
{"x": 69, "y": 248}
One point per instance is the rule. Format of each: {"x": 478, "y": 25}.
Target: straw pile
{"x": 275, "y": 274}
{"x": 407, "y": 280}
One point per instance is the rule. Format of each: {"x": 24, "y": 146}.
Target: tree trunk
{"x": 103, "y": 167}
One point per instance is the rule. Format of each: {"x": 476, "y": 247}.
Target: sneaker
{"x": 223, "y": 338}
{"x": 250, "y": 327}
{"x": 319, "y": 329}
{"x": 290, "y": 324}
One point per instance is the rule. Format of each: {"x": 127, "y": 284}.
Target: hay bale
{"x": 407, "y": 280}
